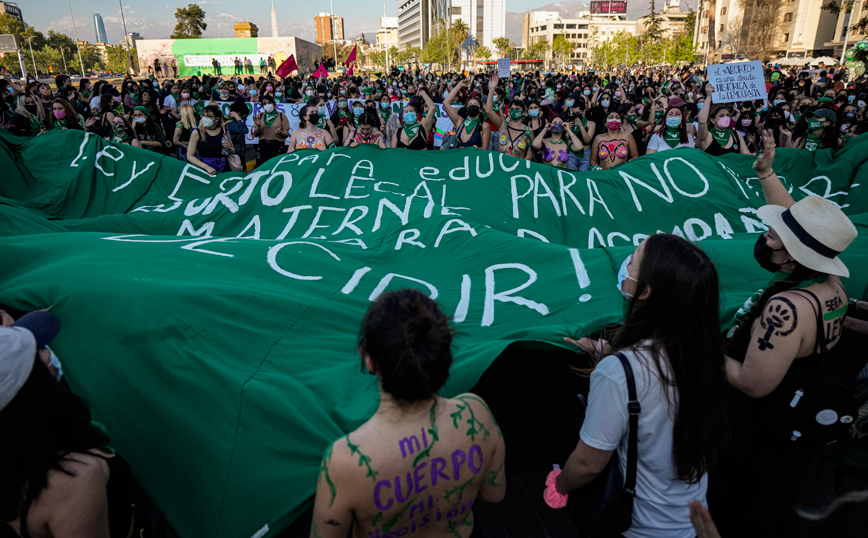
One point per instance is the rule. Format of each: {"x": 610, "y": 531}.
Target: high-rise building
{"x": 99, "y": 29}
{"x": 387, "y": 35}
{"x": 486, "y": 19}
{"x": 328, "y": 28}
{"x": 580, "y": 31}
{"x": 12, "y": 9}
{"x": 419, "y": 20}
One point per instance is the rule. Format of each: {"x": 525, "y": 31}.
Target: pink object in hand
{"x": 551, "y": 495}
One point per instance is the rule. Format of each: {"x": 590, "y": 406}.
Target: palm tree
{"x": 459, "y": 32}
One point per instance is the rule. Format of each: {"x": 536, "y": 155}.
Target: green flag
{"x": 212, "y": 322}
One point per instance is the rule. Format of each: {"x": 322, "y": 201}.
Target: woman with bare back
{"x": 417, "y": 466}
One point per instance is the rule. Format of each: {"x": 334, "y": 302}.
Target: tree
{"x": 481, "y": 53}
{"x": 759, "y": 31}
{"x": 501, "y": 44}
{"x": 652, "y": 27}
{"x": 689, "y": 25}
{"x": 537, "y": 50}
{"x": 117, "y": 59}
{"x": 191, "y": 22}
{"x": 561, "y": 49}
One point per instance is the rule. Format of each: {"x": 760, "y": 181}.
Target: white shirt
{"x": 660, "y": 506}
{"x": 169, "y": 101}
{"x": 658, "y": 143}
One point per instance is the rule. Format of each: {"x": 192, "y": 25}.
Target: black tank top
{"x": 714, "y": 149}
{"x": 211, "y": 146}
{"x": 420, "y": 141}
{"x": 475, "y": 137}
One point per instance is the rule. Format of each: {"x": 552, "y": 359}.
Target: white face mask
{"x": 207, "y": 123}
{"x": 268, "y": 108}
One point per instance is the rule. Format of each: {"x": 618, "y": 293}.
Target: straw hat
{"x": 814, "y": 231}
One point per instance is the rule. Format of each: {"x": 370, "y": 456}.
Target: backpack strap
{"x": 633, "y": 408}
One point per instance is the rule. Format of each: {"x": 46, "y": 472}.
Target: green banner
{"x": 212, "y": 321}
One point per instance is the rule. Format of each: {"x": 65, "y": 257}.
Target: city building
{"x": 12, "y": 9}
{"x": 671, "y": 19}
{"x": 485, "y": 18}
{"x": 731, "y": 30}
{"x": 99, "y": 29}
{"x": 581, "y": 31}
{"x": 328, "y": 28}
{"x": 245, "y": 29}
{"x": 387, "y": 35}
{"x": 130, "y": 40}
{"x": 419, "y": 20}
{"x": 846, "y": 19}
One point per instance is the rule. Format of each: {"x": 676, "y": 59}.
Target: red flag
{"x": 287, "y": 67}
{"x": 352, "y": 56}
{"x": 350, "y": 71}
{"x": 321, "y": 72}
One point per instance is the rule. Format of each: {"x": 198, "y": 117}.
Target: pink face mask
{"x": 389, "y": 90}
{"x": 613, "y": 125}
{"x": 723, "y": 122}
{"x": 60, "y": 114}
{"x": 269, "y": 88}
{"x": 617, "y": 94}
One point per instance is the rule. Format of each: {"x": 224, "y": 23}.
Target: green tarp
{"x": 212, "y": 322}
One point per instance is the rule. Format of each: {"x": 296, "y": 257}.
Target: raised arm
{"x": 428, "y": 121}
{"x": 447, "y": 104}
{"x": 489, "y": 103}
{"x": 773, "y": 190}
{"x": 538, "y": 141}
{"x": 575, "y": 143}
{"x": 702, "y": 118}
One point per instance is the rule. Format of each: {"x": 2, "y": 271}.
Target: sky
{"x": 155, "y": 18}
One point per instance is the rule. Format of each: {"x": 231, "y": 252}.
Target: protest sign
{"x": 211, "y": 322}
{"x": 503, "y": 68}
{"x": 743, "y": 81}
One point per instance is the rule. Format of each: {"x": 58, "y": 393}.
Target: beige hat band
{"x": 806, "y": 238}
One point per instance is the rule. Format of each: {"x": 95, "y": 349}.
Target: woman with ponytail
{"x": 422, "y": 460}
{"x": 776, "y": 354}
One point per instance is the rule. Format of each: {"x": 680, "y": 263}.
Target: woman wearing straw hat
{"x": 778, "y": 339}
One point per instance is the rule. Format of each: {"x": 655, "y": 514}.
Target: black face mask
{"x": 762, "y": 253}
{"x": 473, "y": 111}
{"x": 30, "y": 108}
{"x": 313, "y": 118}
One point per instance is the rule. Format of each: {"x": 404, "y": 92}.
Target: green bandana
{"x": 658, "y": 115}
{"x": 470, "y": 124}
{"x": 411, "y": 129}
{"x": 631, "y": 118}
{"x": 722, "y": 137}
{"x": 672, "y": 136}
{"x": 195, "y": 95}
{"x": 134, "y": 97}
{"x": 813, "y": 142}
{"x": 269, "y": 118}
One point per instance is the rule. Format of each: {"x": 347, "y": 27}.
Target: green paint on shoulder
{"x": 363, "y": 459}
{"x": 432, "y": 417}
{"x": 476, "y": 426}
{"x": 324, "y": 470}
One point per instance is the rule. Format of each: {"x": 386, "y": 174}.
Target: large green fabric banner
{"x": 212, "y": 321}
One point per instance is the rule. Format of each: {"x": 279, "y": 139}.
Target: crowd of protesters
{"x": 576, "y": 121}
{"x": 704, "y": 400}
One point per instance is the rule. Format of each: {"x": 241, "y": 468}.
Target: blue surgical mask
{"x": 587, "y": 92}
{"x": 410, "y": 117}
{"x": 779, "y": 102}
{"x": 533, "y": 113}
{"x": 322, "y": 111}
{"x": 342, "y": 104}
{"x": 699, "y": 105}
{"x": 850, "y": 98}
{"x": 624, "y": 275}
{"x": 384, "y": 105}
{"x": 358, "y": 111}
{"x": 673, "y": 122}
{"x": 252, "y": 92}
{"x": 570, "y": 103}
{"x": 343, "y": 92}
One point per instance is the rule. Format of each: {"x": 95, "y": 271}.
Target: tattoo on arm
{"x": 778, "y": 318}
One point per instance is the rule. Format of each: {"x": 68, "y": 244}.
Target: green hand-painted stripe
{"x": 459, "y": 489}
{"x": 391, "y": 523}
{"x": 829, "y": 316}
{"x": 432, "y": 416}
{"x": 363, "y": 459}
{"x": 492, "y": 478}
{"x": 324, "y": 469}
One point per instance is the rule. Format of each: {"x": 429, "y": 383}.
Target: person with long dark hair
{"x": 785, "y": 331}
{"x": 818, "y": 130}
{"x": 428, "y": 467}
{"x": 716, "y": 136}
{"x": 271, "y": 126}
{"x": 670, "y": 336}
{"x": 366, "y": 133}
{"x": 308, "y": 135}
{"x": 209, "y": 145}
{"x": 148, "y": 132}
{"x": 60, "y": 478}
{"x": 673, "y": 133}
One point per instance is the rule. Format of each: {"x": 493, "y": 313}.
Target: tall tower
{"x": 99, "y": 28}
{"x": 273, "y": 20}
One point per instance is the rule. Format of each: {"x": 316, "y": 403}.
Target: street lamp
{"x": 129, "y": 54}
{"x": 30, "y": 44}
{"x": 75, "y": 33}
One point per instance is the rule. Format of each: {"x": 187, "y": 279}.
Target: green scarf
{"x": 269, "y": 118}
{"x": 470, "y": 124}
{"x": 672, "y": 136}
{"x": 576, "y": 129}
{"x": 412, "y": 129}
{"x": 722, "y": 137}
{"x": 34, "y": 126}
{"x": 134, "y": 97}
{"x": 813, "y": 142}
{"x": 195, "y": 95}
{"x": 321, "y": 123}
{"x": 120, "y": 139}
